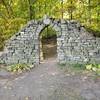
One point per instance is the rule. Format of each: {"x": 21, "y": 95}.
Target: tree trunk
{"x": 71, "y": 13}
{"x": 62, "y": 14}
{"x": 89, "y": 11}
{"x": 98, "y": 14}
{"x": 30, "y": 9}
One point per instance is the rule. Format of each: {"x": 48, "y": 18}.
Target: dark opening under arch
{"x": 48, "y": 43}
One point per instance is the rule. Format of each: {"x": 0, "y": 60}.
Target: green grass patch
{"x": 77, "y": 66}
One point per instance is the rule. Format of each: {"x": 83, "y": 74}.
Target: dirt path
{"x": 48, "y": 82}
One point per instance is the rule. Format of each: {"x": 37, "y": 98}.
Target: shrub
{"x": 94, "y": 67}
{"x": 19, "y": 67}
{"x": 78, "y": 66}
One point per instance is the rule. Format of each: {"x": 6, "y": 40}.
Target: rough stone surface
{"x": 74, "y": 43}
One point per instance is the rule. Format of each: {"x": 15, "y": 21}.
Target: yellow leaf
{"x": 94, "y": 69}
{"x": 89, "y": 67}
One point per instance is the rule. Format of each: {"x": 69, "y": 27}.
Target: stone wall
{"x": 74, "y": 43}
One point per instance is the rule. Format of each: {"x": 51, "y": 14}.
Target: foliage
{"x": 75, "y": 66}
{"x": 7, "y": 29}
{"x": 48, "y": 32}
{"x": 15, "y": 13}
{"x": 1, "y": 44}
{"x": 19, "y": 67}
{"x": 78, "y": 66}
{"x": 94, "y": 67}
{"x": 10, "y": 27}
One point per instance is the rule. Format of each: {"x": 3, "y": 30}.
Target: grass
{"x": 79, "y": 69}
{"x": 75, "y": 67}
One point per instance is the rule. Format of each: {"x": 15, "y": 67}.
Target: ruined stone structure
{"x": 74, "y": 43}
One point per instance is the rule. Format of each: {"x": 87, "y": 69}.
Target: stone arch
{"x": 53, "y": 27}
{"x": 40, "y": 27}
{"x": 74, "y": 43}
{"x": 23, "y": 47}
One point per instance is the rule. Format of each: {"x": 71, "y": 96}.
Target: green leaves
{"x": 9, "y": 28}
{"x": 94, "y": 67}
{"x": 15, "y": 13}
{"x": 19, "y": 67}
{"x": 48, "y": 32}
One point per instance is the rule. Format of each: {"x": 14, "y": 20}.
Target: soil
{"x": 49, "y": 47}
{"x": 49, "y": 82}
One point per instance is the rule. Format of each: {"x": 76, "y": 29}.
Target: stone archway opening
{"x": 48, "y": 43}
{"x": 74, "y": 43}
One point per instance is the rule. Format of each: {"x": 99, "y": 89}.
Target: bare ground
{"x": 49, "y": 82}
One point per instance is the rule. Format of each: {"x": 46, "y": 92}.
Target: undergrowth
{"x": 19, "y": 67}
{"x": 94, "y": 67}
{"x": 81, "y": 67}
